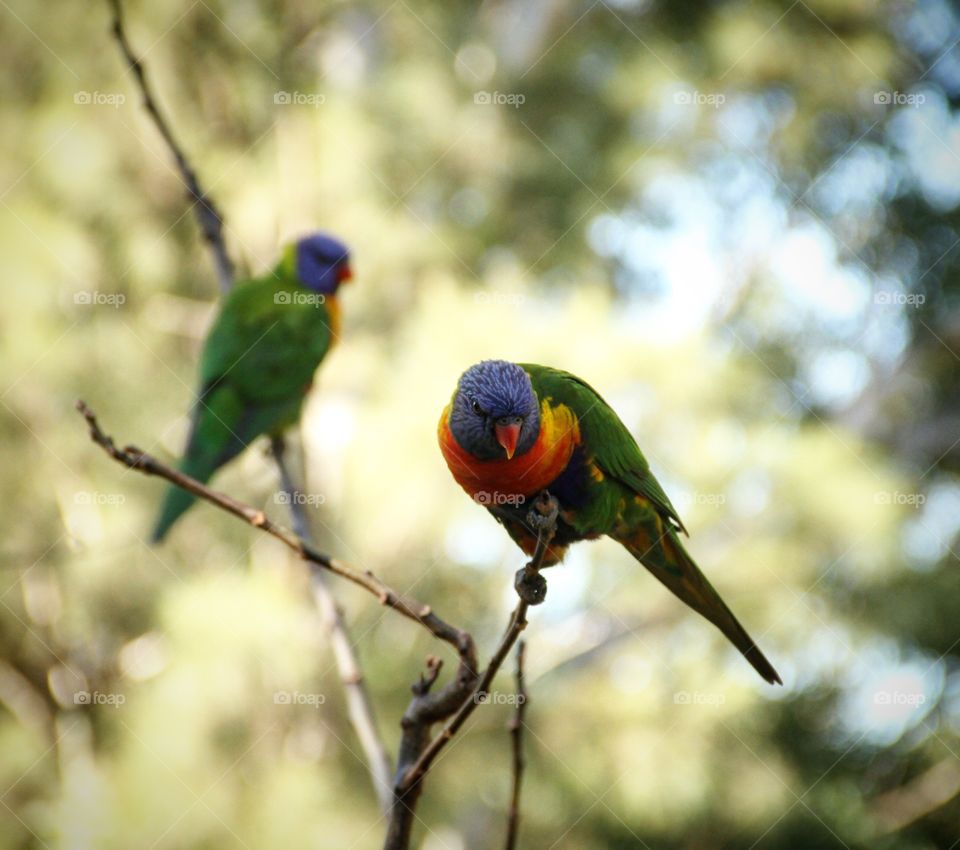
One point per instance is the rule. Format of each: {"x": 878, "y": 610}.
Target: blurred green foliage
{"x": 738, "y": 220}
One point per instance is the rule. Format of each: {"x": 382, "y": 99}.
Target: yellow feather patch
{"x": 333, "y": 311}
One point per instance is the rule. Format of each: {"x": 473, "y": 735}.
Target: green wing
{"x": 267, "y": 341}
{"x": 257, "y": 364}
{"x": 613, "y": 447}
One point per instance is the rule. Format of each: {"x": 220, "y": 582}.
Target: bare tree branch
{"x": 516, "y": 739}
{"x": 359, "y": 706}
{"x": 457, "y": 700}
{"x": 546, "y": 506}
{"x": 902, "y": 807}
{"x": 134, "y": 458}
{"x": 208, "y": 216}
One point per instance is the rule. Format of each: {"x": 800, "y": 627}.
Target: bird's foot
{"x": 531, "y": 587}
{"x": 544, "y": 512}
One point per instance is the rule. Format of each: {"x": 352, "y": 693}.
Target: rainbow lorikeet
{"x": 512, "y": 431}
{"x": 259, "y": 358}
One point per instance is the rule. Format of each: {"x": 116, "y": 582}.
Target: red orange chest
{"x": 525, "y": 474}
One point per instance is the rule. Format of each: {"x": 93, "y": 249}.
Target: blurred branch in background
{"x": 516, "y": 737}
{"x": 207, "y": 215}
{"x": 359, "y": 706}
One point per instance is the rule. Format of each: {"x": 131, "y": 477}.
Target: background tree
{"x": 738, "y": 220}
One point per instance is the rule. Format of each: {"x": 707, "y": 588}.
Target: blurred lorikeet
{"x": 259, "y": 358}
{"x": 514, "y": 430}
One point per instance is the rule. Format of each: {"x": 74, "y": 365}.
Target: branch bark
{"x": 516, "y": 740}
{"x": 208, "y": 216}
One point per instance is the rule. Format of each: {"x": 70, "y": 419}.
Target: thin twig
{"x": 359, "y": 706}
{"x": 516, "y": 739}
{"x": 417, "y": 752}
{"x": 207, "y": 214}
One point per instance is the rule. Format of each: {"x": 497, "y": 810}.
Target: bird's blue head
{"x": 322, "y": 263}
{"x": 495, "y": 412}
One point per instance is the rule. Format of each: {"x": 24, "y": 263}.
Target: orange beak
{"x": 508, "y": 436}
{"x": 346, "y": 273}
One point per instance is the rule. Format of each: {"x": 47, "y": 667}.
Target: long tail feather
{"x": 175, "y": 504}
{"x": 672, "y": 565}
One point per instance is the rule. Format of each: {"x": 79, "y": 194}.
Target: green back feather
{"x": 613, "y": 448}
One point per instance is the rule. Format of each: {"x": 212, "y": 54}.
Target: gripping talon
{"x": 543, "y": 514}
{"x": 531, "y": 587}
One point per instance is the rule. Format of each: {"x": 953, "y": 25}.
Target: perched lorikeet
{"x": 514, "y": 430}
{"x": 259, "y": 358}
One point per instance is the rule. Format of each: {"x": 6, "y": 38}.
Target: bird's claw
{"x": 531, "y": 587}
{"x": 544, "y": 511}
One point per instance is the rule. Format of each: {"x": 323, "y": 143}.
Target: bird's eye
{"x": 476, "y": 407}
